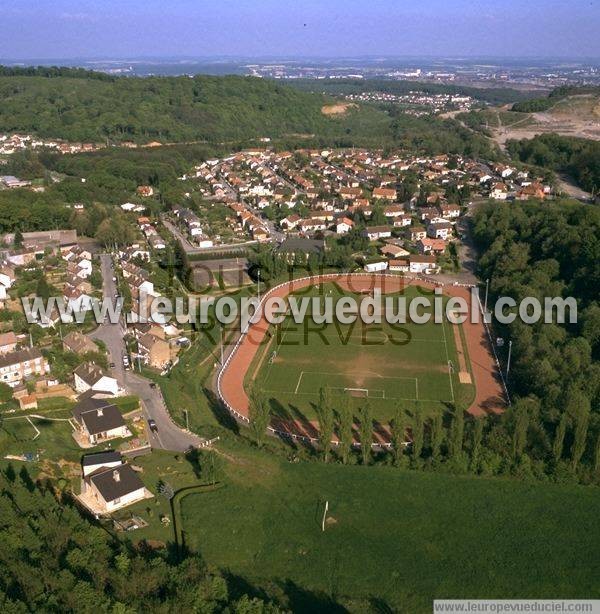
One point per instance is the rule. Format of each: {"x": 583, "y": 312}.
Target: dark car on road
{"x": 152, "y": 425}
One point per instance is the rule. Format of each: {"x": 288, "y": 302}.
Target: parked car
{"x": 152, "y": 425}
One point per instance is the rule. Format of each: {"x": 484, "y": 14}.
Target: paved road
{"x": 169, "y": 436}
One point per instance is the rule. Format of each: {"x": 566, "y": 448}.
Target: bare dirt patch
{"x": 337, "y": 109}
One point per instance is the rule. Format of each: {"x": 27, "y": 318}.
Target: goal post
{"x": 357, "y": 392}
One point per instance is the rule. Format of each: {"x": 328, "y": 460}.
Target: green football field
{"x": 391, "y": 365}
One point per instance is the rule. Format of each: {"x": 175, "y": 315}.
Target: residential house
{"x": 92, "y": 462}
{"x": 399, "y": 265}
{"x": 89, "y": 376}
{"x": 291, "y": 221}
{"x": 157, "y": 242}
{"x": 449, "y": 211}
{"x": 374, "y": 233}
{"x": 78, "y": 344}
{"x": 401, "y": 221}
{"x": 8, "y": 342}
{"x": 344, "y": 225}
{"x": 417, "y": 232}
{"x": 431, "y": 246}
{"x": 439, "y": 230}
{"x": 7, "y": 275}
{"x": 154, "y": 351}
{"x": 112, "y": 488}
{"x": 393, "y": 251}
{"x": 98, "y": 420}
{"x": 422, "y": 264}
{"x": 17, "y": 365}
{"x": 499, "y": 191}
{"x": 384, "y": 193}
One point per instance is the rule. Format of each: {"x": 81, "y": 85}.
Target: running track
{"x": 490, "y": 394}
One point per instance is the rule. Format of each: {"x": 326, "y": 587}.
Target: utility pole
{"x": 259, "y": 285}
{"x": 187, "y": 423}
{"x": 509, "y": 354}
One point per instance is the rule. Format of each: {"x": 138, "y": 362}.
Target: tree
{"x": 326, "y": 422}
{"x": 581, "y": 429}
{"x": 398, "y": 435}
{"x": 476, "y": 447}
{"x": 366, "y": 432}
{"x": 521, "y": 424}
{"x": 18, "y": 239}
{"x": 559, "y": 437}
{"x": 44, "y": 289}
{"x": 437, "y": 436}
{"x": 345, "y": 422}
{"x": 259, "y": 414}
{"x": 417, "y": 435}
{"x": 6, "y": 392}
{"x": 457, "y": 432}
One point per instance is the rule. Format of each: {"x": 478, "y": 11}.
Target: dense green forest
{"x": 168, "y": 109}
{"x": 232, "y": 111}
{"x": 544, "y": 103}
{"x": 358, "y": 86}
{"x": 541, "y": 250}
{"x": 579, "y": 158}
{"x": 53, "y": 560}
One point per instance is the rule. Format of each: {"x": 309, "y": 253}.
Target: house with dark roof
{"x": 108, "y": 459}
{"x": 98, "y": 420}
{"x": 108, "y": 489}
{"x": 89, "y": 376}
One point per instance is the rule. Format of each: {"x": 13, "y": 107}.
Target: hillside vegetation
{"x": 544, "y": 103}
{"x": 579, "y": 158}
{"x": 81, "y": 106}
{"x": 166, "y": 109}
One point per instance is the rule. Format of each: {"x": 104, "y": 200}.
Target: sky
{"x": 46, "y": 29}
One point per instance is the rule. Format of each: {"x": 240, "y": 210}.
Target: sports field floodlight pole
{"x": 508, "y": 361}
{"x": 222, "y": 351}
{"x": 259, "y": 285}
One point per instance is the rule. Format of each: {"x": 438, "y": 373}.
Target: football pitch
{"x": 392, "y": 365}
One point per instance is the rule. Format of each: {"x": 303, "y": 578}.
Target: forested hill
{"x": 167, "y": 109}
{"x": 75, "y": 106}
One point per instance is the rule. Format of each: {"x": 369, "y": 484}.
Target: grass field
{"x": 396, "y": 538}
{"x": 391, "y": 364}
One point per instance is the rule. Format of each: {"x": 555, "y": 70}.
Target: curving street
{"x": 169, "y": 435}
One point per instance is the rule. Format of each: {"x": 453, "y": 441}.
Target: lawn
{"x": 50, "y": 438}
{"x": 397, "y": 537}
{"x": 391, "y": 364}
{"x": 54, "y": 441}
{"x": 177, "y": 471}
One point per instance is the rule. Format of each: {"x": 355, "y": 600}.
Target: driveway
{"x": 169, "y": 435}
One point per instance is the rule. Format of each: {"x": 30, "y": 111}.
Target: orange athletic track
{"x": 489, "y": 389}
